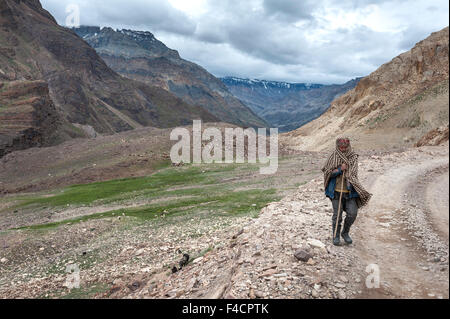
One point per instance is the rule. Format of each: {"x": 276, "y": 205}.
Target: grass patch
{"x": 178, "y": 191}
{"x": 223, "y": 204}
{"x": 228, "y": 203}
{"x": 115, "y": 189}
{"x": 87, "y": 292}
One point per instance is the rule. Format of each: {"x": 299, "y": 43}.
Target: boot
{"x": 337, "y": 239}
{"x": 345, "y": 235}
{"x": 347, "y": 238}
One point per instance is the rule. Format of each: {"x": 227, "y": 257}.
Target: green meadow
{"x": 219, "y": 189}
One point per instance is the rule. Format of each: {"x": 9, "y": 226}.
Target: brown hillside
{"x": 82, "y": 88}
{"x": 29, "y": 118}
{"x": 394, "y": 106}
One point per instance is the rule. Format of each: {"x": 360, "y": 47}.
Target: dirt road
{"x": 437, "y": 199}
{"x": 404, "y": 230}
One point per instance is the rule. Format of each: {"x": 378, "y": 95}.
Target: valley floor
{"x": 241, "y": 246}
{"x": 398, "y": 236}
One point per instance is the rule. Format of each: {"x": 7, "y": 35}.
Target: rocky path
{"x": 399, "y": 233}
{"x": 287, "y": 251}
{"x": 258, "y": 260}
{"x": 437, "y": 198}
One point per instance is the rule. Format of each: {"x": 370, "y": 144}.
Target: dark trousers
{"x": 349, "y": 206}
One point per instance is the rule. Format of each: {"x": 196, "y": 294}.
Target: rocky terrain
{"x": 286, "y": 106}
{"x": 140, "y": 56}
{"x": 395, "y": 106}
{"x": 287, "y": 253}
{"x": 29, "y": 118}
{"x": 82, "y": 88}
{"x": 284, "y": 251}
{"x": 167, "y": 203}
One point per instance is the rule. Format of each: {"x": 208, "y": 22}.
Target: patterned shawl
{"x": 351, "y": 159}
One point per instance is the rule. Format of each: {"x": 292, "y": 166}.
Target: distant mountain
{"x": 286, "y": 105}
{"x": 140, "y": 56}
{"x": 48, "y": 74}
{"x": 405, "y": 102}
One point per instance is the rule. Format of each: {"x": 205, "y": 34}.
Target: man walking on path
{"x": 343, "y": 188}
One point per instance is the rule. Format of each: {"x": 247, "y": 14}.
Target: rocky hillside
{"x": 81, "y": 87}
{"x": 29, "y": 118}
{"x": 396, "y": 105}
{"x": 140, "y": 56}
{"x": 286, "y": 105}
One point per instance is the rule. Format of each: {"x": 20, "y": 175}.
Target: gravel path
{"x": 437, "y": 198}
{"x": 397, "y": 232}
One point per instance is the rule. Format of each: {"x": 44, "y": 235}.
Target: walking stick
{"x": 339, "y": 206}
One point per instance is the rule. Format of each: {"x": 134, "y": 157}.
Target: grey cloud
{"x": 152, "y": 14}
{"x": 432, "y": 8}
{"x": 149, "y": 14}
{"x": 412, "y": 35}
{"x": 355, "y": 4}
{"x": 253, "y": 32}
{"x": 358, "y": 51}
{"x": 274, "y": 39}
{"x": 267, "y": 43}
{"x": 290, "y": 10}
{"x": 212, "y": 30}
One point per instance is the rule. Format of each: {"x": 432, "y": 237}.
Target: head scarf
{"x": 343, "y": 141}
{"x": 349, "y": 157}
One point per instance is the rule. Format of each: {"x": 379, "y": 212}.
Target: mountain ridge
{"x": 140, "y": 56}
{"x": 285, "y": 105}
{"x": 34, "y": 47}
{"x": 269, "y": 83}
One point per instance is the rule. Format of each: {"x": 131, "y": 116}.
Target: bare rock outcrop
{"x": 435, "y": 137}
{"x": 28, "y": 116}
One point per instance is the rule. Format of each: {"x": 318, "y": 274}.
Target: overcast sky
{"x": 320, "y": 41}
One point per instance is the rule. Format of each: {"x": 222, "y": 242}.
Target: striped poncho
{"x": 336, "y": 159}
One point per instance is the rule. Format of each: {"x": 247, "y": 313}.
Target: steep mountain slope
{"x": 29, "y": 118}
{"x": 394, "y": 106}
{"x": 286, "y": 105}
{"x": 140, "y": 56}
{"x": 81, "y": 86}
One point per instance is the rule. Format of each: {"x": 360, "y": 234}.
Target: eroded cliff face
{"x": 28, "y": 117}
{"x": 140, "y": 56}
{"x": 81, "y": 87}
{"x": 394, "y": 106}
